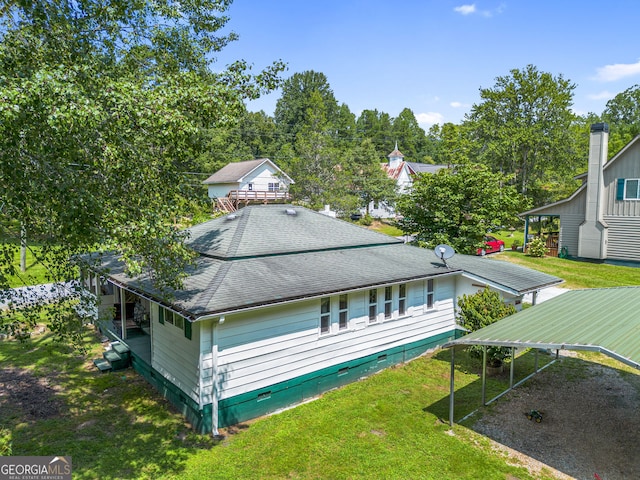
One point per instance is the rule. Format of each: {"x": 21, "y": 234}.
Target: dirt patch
{"x": 590, "y": 422}
{"x": 21, "y": 391}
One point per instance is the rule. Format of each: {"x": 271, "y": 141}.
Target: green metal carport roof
{"x": 604, "y": 320}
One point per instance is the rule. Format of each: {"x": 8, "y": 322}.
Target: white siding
{"x": 175, "y": 356}
{"x": 275, "y": 344}
{"x": 261, "y": 178}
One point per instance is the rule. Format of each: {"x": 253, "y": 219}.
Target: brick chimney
{"x": 592, "y": 240}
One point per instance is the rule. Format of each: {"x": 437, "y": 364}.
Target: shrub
{"x": 5, "y": 442}
{"x": 480, "y": 310}
{"x": 537, "y": 248}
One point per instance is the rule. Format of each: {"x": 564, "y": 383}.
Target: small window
{"x": 343, "y": 312}
{"x": 373, "y": 305}
{"x": 274, "y": 187}
{"x": 429, "y": 293}
{"x": 168, "y": 316}
{"x": 178, "y": 321}
{"x": 402, "y": 299}
{"x": 250, "y": 186}
{"x": 325, "y": 315}
{"x": 632, "y": 189}
{"x": 388, "y": 302}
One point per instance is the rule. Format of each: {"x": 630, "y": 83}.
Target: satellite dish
{"x": 443, "y": 252}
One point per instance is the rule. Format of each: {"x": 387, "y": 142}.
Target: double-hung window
{"x": 274, "y": 187}
{"x": 325, "y": 315}
{"x": 373, "y": 305}
{"x": 343, "y": 312}
{"x": 388, "y": 302}
{"x": 632, "y": 189}
{"x": 430, "y": 293}
{"x": 402, "y": 299}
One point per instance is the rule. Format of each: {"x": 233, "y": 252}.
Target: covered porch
{"x": 546, "y": 227}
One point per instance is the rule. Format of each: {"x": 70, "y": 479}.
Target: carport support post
{"x": 451, "y": 385}
{"x": 513, "y": 363}
{"x": 484, "y": 375}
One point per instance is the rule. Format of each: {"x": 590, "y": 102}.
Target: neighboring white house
{"x": 250, "y": 181}
{"x": 284, "y": 303}
{"x": 403, "y": 173}
{"x": 600, "y": 220}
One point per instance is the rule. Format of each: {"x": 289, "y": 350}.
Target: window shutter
{"x": 620, "y": 189}
{"x": 160, "y": 314}
{"x": 187, "y": 328}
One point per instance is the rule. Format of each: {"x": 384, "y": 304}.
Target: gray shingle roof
{"x": 266, "y": 256}
{"x": 270, "y": 230}
{"x": 425, "y": 167}
{"x": 233, "y": 172}
{"x": 510, "y": 276}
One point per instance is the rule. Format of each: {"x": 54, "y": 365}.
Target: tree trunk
{"x": 23, "y": 248}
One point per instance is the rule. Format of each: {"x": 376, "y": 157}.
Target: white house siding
{"x": 176, "y": 357}
{"x": 220, "y": 190}
{"x": 261, "y": 178}
{"x": 264, "y": 347}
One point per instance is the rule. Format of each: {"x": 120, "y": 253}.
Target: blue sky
{"x": 433, "y": 56}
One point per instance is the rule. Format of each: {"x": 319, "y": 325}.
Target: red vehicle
{"x": 491, "y": 244}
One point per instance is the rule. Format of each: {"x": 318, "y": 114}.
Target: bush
{"x": 480, "y": 310}
{"x": 367, "y": 220}
{"x": 5, "y": 442}
{"x": 537, "y": 248}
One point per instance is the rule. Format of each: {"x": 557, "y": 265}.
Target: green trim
{"x": 267, "y": 400}
{"x": 161, "y": 314}
{"x": 187, "y": 328}
{"x": 620, "y": 189}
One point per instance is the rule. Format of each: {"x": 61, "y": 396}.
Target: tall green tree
{"x": 522, "y": 127}
{"x": 376, "y": 126}
{"x": 458, "y": 206}
{"x": 622, "y": 113}
{"x": 102, "y": 105}
{"x": 292, "y": 113}
{"x": 370, "y": 182}
{"x": 411, "y": 138}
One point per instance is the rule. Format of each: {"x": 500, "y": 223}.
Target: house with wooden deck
{"x": 601, "y": 219}
{"x": 283, "y": 304}
{"x": 245, "y": 182}
{"x": 402, "y": 172}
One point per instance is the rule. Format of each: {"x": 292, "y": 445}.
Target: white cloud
{"x": 604, "y": 95}
{"x": 429, "y": 118}
{"x": 471, "y": 9}
{"x": 611, "y": 73}
{"x": 459, "y": 105}
{"x": 465, "y": 9}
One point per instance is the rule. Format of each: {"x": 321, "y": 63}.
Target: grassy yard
{"x": 577, "y": 274}
{"x": 35, "y": 272}
{"x": 391, "y": 425}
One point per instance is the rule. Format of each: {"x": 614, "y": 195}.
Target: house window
{"x": 402, "y": 299}
{"x": 373, "y": 305}
{"x": 168, "y": 316}
{"x": 632, "y": 189}
{"x": 250, "y": 186}
{"x": 429, "y": 293}
{"x": 274, "y": 187}
{"x": 325, "y": 315}
{"x": 178, "y": 321}
{"x": 388, "y": 299}
{"x": 343, "y": 312}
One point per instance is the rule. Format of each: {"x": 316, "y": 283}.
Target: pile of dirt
{"x": 590, "y": 421}
{"x": 34, "y": 397}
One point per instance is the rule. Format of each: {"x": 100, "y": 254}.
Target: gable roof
{"x": 394, "y": 172}
{"x": 605, "y": 320}
{"x": 267, "y": 254}
{"x": 396, "y": 153}
{"x": 236, "y": 171}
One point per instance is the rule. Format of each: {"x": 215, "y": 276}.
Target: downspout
{"x": 215, "y": 393}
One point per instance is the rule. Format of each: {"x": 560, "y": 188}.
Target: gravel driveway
{"x": 591, "y": 421}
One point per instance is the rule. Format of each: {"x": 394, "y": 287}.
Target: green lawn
{"x": 35, "y": 272}
{"x": 115, "y": 425}
{"x": 577, "y": 274}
